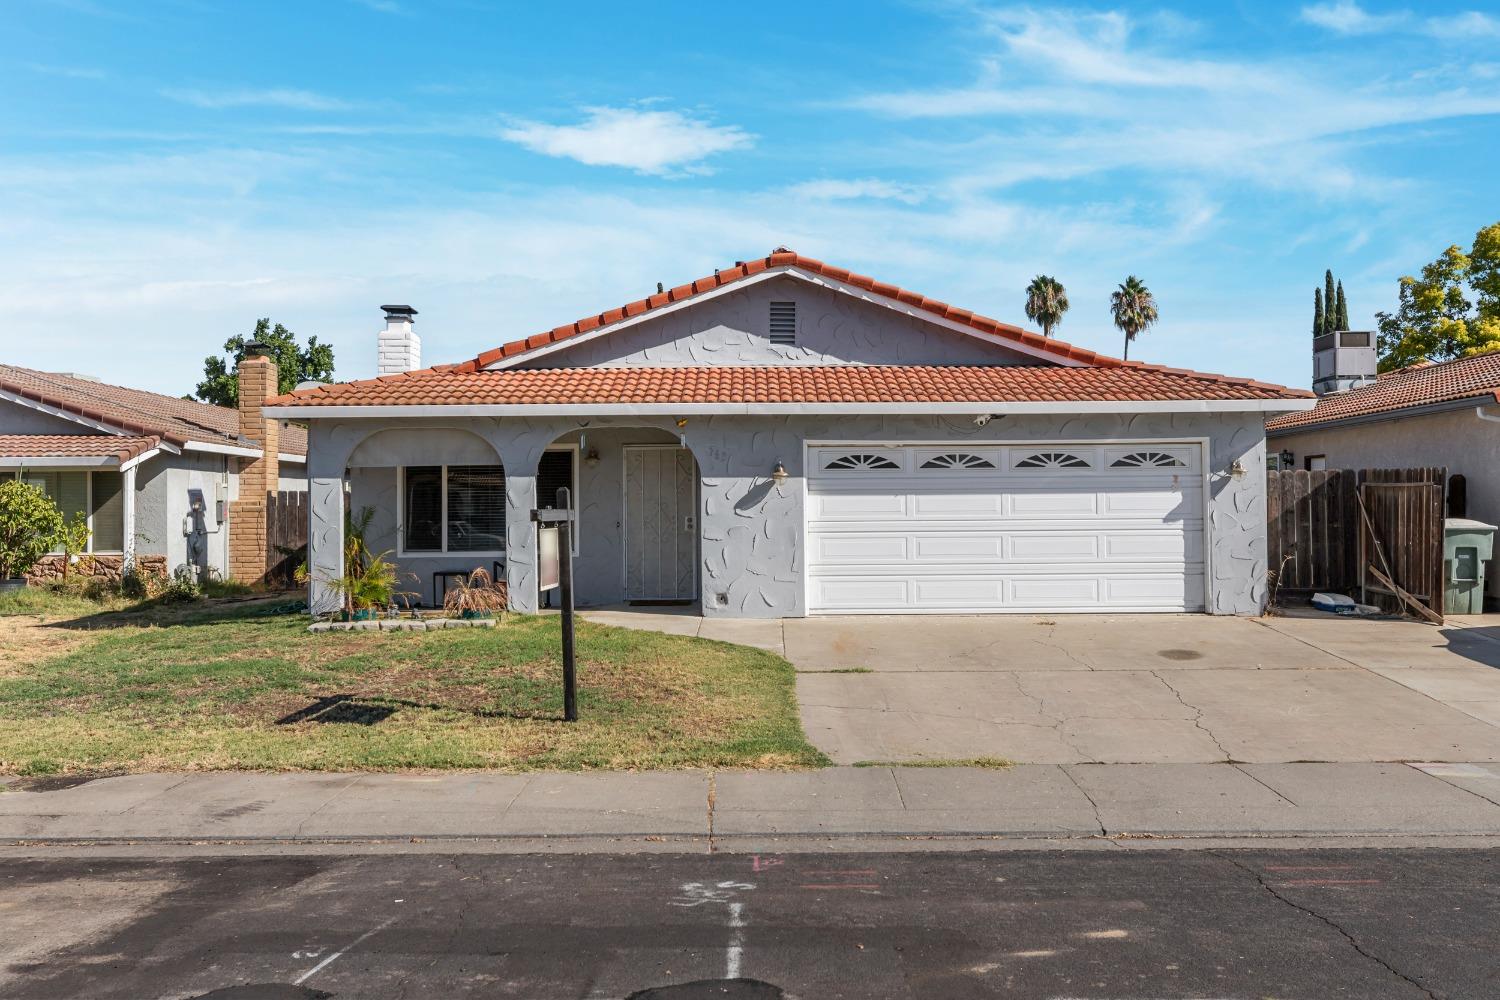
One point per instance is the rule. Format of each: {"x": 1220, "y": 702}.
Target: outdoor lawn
{"x": 244, "y": 685}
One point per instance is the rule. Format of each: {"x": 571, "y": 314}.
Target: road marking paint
{"x": 1330, "y": 881}
{"x": 336, "y": 955}
{"x": 841, "y": 871}
{"x": 1035, "y": 953}
{"x": 1109, "y": 935}
{"x": 1308, "y": 868}
{"x": 759, "y": 863}
{"x": 736, "y": 950}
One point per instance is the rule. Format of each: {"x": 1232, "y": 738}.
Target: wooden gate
{"x": 1322, "y": 530}
{"x": 286, "y": 535}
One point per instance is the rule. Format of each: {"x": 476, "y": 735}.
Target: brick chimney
{"x": 400, "y": 347}
{"x": 259, "y": 476}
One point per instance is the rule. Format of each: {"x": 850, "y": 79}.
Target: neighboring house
{"x": 135, "y": 462}
{"x": 784, "y": 438}
{"x": 1443, "y": 414}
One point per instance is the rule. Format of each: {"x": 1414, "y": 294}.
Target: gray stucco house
{"x": 134, "y": 462}
{"x": 785, "y": 438}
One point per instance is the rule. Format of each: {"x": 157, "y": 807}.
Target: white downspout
{"x": 1479, "y": 412}
{"x": 127, "y": 491}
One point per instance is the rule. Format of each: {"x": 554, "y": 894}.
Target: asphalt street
{"x": 1362, "y": 923}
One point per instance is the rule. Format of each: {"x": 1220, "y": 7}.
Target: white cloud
{"x": 1349, "y": 18}
{"x": 69, "y": 72}
{"x": 275, "y": 97}
{"x": 864, "y": 187}
{"x": 649, "y": 142}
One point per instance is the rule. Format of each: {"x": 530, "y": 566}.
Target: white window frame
{"x": 25, "y": 475}
{"x": 402, "y": 552}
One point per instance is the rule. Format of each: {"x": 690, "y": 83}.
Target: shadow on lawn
{"x": 162, "y": 612}
{"x": 350, "y": 709}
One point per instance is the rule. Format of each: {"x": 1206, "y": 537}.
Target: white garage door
{"x": 1026, "y": 528}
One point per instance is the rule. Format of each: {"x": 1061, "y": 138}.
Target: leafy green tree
{"x": 1342, "y": 310}
{"x": 1317, "y": 312}
{"x": 1435, "y": 318}
{"x": 30, "y": 525}
{"x": 294, "y": 363}
{"x": 1330, "y": 313}
{"x": 73, "y": 540}
{"x": 1134, "y": 309}
{"x": 1046, "y": 302}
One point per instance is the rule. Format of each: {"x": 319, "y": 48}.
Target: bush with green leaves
{"x": 30, "y": 526}
{"x": 183, "y": 586}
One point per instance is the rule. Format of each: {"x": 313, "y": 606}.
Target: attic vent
{"x": 784, "y": 323}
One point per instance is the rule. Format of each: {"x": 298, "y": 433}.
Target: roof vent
{"x": 783, "y": 325}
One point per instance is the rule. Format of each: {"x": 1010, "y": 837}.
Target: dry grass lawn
{"x": 240, "y": 685}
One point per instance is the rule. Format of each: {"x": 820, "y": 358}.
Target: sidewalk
{"x": 729, "y": 810}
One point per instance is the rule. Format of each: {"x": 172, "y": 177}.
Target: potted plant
{"x": 366, "y": 591}
{"x": 476, "y": 596}
{"x": 30, "y": 525}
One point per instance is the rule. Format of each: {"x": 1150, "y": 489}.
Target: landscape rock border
{"x": 402, "y": 625}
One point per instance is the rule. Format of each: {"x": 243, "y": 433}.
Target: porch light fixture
{"x": 1236, "y": 469}
{"x": 779, "y": 475}
{"x": 591, "y": 459}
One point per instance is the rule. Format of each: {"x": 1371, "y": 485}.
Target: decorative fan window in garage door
{"x": 1052, "y": 460}
{"x": 861, "y": 462}
{"x": 958, "y": 460}
{"x": 1147, "y": 460}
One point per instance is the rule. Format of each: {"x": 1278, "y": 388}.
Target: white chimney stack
{"x": 400, "y": 347}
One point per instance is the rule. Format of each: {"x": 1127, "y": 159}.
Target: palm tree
{"x": 1046, "y": 301}
{"x": 1134, "y": 309}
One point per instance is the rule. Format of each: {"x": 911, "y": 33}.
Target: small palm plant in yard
{"x": 476, "y": 596}
{"x": 370, "y": 588}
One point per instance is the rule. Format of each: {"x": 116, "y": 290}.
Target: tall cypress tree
{"x": 1342, "y": 311}
{"x": 1317, "y": 312}
{"x": 1330, "y": 316}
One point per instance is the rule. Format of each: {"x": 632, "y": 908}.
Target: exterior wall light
{"x": 591, "y": 459}
{"x": 1236, "y": 469}
{"x": 779, "y": 475}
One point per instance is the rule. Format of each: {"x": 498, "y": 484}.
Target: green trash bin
{"x": 1467, "y": 546}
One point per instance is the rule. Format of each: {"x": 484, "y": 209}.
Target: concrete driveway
{"x": 1147, "y": 689}
{"x": 1175, "y": 689}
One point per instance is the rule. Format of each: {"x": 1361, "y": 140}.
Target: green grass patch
{"x": 992, "y": 763}
{"x": 240, "y": 685}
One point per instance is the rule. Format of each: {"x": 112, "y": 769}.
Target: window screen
{"x": 422, "y": 508}
{"x": 109, "y": 512}
{"x": 69, "y": 490}
{"x": 554, "y": 472}
{"x": 476, "y": 508}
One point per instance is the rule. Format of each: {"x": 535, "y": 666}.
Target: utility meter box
{"x": 1467, "y": 546}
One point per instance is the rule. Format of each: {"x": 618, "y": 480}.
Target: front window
{"x": 461, "y": 508}
{"x": 98, "y": 496}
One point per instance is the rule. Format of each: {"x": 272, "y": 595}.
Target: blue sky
{"x": 170, "y": 171}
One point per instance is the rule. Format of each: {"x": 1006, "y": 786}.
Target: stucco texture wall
{"x": 1457, "y": 440}
{"x": 751, "y": 533}
{"x": 832, "y": 328}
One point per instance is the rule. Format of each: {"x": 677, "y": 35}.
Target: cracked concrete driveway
{"x": 1147, "y": 688}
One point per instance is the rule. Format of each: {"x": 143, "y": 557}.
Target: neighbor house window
{"x": 461, "y": 508}
{"x": 1315, "y": 463}
{"x": 98, "y": 496}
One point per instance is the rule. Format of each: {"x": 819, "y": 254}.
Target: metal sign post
{"x": 561, "y": 520}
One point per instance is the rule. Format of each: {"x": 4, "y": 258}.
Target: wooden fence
{"x": 286, "y": 534}
{"x": 1340, "y": 530}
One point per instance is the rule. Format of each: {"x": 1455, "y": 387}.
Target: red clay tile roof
{"x": 1476, "y": 377}
{"x": 786, "y": 384}
{"x": 175, "y": 420}
{"x": 75, "y": 446}
{"x": 780, "y": 260}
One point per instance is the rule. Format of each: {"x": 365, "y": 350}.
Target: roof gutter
{"x": 1446, "y": 406}
{"x": 240, "y": 451}
{"x": 973, "y": 408}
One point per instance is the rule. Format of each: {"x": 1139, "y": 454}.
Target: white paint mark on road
{"x": 1105, "y": 935}
{"x": 338, "y": 954}
{"x": 736, "y": 950}
{"x": 1034, "y": 953}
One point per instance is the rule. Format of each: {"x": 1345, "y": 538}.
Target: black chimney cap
{"x": 256, "y": 349}
{"x": 397, "y": 312}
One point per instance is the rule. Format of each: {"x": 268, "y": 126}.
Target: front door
{"x": 661, "y": 524}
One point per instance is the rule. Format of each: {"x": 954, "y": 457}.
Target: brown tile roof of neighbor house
{"x": 75, "y": 446}
{"x": 174, "y": 420}
{"x": 785, "y": 384}
{"x": 1476, "y": 378}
